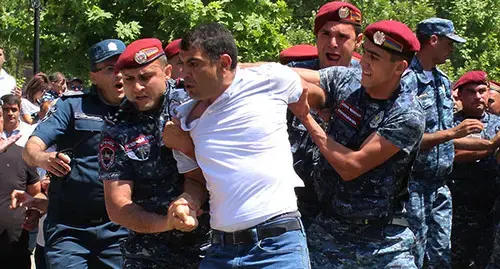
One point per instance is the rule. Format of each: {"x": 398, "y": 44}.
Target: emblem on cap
{"x": 140, "y": 57}
{"x": 379, "y": 38}
{"x": 344, "y": 12}
{"x": 143, "y": 55}
{"x": 112, "y": 46}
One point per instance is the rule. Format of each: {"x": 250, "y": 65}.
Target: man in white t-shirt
{"x": 7, "y": 82}
{"x": 12, "y": 122}
{"x": 237, "y": 122}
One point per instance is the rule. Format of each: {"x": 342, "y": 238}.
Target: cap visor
{"x": 115, "y": 53}
{"x": 456, "y": 38}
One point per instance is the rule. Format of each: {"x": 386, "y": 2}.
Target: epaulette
{"x": 71, "y": 93}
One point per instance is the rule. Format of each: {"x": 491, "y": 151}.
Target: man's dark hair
{"x": 422, "y": 38}
{"x": 11, "y": 99}
{"x": 213, "y": 39}
{"x": 408, "y": 57}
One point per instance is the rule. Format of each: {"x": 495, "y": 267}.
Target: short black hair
{"x": 11, "y": 99}
{"x": 408, "y": 57}
{"x": 213, "y": 39}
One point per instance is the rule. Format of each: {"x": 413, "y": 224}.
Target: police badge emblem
{"x": 379, "y": 38}
{"x": 107, "y": 154}
{"x": 140, "y": 57}
{"x": 375, "y": 122}
{"x": 344, "y": 12}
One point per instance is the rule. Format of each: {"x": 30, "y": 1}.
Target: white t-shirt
{"x": 28, "y": 108}
{"x": 7, "y": 83}
{"x": 241, "y": 145}
{"x": 24, "y": 129}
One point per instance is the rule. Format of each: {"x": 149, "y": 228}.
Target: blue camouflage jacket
{"x": 132, "y": 149}
{"x": 433, "y": 164}
{"x": 382, "y": 191}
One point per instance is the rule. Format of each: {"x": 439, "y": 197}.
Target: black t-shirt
{"x": 15, "y": 173}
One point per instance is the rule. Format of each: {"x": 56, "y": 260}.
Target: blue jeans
{"x": 285, "y": 251}
{"x": 87, "y": 247}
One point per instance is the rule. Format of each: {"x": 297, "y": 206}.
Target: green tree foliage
{"x": 261, "y": 27}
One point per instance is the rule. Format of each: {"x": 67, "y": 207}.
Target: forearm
{"x": 338, "y": 156}
{"x": 467, "y": 156}
{"x": 197, "y": 193}
{"x": 33, "y": 151}
{"x": 430, "y": 140}
{"x": 311, "y": 76}
{"x": 316, "y": 96}
{"x": 41, "y": 202}
{"x": 473, "y": 144}
{"x": 132, "y": 216}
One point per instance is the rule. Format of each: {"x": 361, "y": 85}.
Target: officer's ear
{"x": 433, "y": 40}
{"x": 93, "y": 78}
{"x": 168, "y": 71}
{"x": 359, "y": 41}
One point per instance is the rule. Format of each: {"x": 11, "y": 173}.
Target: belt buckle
{"x": 365, "y": 221}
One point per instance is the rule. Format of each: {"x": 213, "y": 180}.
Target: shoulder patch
{"x": 107, "y": 154}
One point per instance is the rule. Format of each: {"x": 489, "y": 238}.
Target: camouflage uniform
{"x": 362, "y": 224}
{"x": 306, "y": 154}
{"x": 474, "y": 192}
{"x": 429, "y": 208}
{"x": 132, "y": 149}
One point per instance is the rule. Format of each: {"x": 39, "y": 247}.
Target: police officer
{"x": 337, "y": 28}
{"x": 494, "y": 99}
{"x": 78, "y": 232}
{"x": 368, "y": 150}
{"x": 429, "y": 207}
{"x": 140, "y": 175}
{"x": 474, "y": 175}
{"x": 172, "y": 53}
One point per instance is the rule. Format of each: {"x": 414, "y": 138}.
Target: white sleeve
{"x": 184, "y": 163}
{"x": 286, "y": 82}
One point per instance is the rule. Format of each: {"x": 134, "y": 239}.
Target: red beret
{"x": 173, "y": 48}
{"x": 301, "y": 52}
{"x": 139, "y": 53}
{"x": 392, "y": 36}
{"x": 495, "y": 86}
{"x": 476, "y": 77}
{"x": 337, "y": 11}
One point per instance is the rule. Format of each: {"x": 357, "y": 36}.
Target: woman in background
{"x": 30, "y": 104}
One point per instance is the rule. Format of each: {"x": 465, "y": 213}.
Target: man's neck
{"x": 426, "y": 61}
{"x": 381, "y": 93}
{"x": 7, "y": 128}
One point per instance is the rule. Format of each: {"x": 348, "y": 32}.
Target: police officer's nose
{"x": 333, "y": 42}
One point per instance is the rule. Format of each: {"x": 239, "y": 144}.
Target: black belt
{"x": 380, "y": 222}
{"x": 263, "y": 231}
